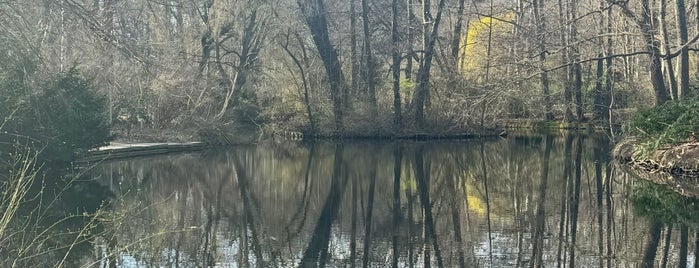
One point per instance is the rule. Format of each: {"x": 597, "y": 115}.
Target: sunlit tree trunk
{"x": 566, "y": 77}
{"x": 669, "y": 69}
{"x": 395, "y": 68}
{"x": 602, "y": 94}
{"x": 576, "y": 72}
{"x": 540, "y": 33}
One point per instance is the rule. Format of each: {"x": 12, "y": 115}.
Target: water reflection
{"x": 538, "y": 201}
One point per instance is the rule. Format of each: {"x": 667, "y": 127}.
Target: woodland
{"x": 182, "y": 68}
{"x": 76, "y": 74}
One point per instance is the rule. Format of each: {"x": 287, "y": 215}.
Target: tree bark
{"x": 354, "y": 58}
{"x": 684, "y": 50}
{"x": 423, "y": 80}
{"x": 540, "y": 32}
{"x": 601, "y": 94}
{"x": 409, "y": 34}
{"x": 370, "y": 75}
{"x": 666, "y": 48}
{"x": 304, "y": 83}
{"x": 314, "y": 13}
{"x": 575, "y": 58}
{"x": 647, "y": 27}
{"x": 395, "y": 68}
{"x": 456, "y": 39}
{"x": 567, "y": 90}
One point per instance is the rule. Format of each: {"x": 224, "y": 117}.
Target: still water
{"x": 523, "y": 201}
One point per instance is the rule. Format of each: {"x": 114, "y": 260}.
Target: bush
{"x": 669, "y": 123}
{"x": 72, "y": 117}
{"x": 63, "y": 119}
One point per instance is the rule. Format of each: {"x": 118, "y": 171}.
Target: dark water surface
{"x": 552, "y": 201}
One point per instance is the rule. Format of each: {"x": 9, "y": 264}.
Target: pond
{"x": 521, "y": 201}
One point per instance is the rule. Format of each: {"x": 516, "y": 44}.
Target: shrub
{"x": 669, "y": 123}
{"x": 71, "y": 116}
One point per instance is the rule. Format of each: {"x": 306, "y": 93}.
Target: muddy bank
{"x": 676, "y": 166}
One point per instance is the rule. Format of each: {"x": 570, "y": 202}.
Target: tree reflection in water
{"x": 524, "y": 201}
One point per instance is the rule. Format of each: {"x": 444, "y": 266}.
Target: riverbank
{"x": 676, "y": 166}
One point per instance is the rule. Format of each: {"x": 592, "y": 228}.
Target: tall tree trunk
{"x": 456, "y": 39}
{"x": 354, "y": 58}
{"x": 540, "y": 32}
{"x": 684, "y": 51}
{"x": 647, "y": 27}
{"x": 409, "y": 34}
{"x": 423, "y": 80}
{"x": 395, "y": 68}
{"x": 575, "y": 58}
{"x": 314, "y": 13}
{"x": 609, "y": 72}
{"x": 567, "y": 89}
{"x": 601, "y": 94}
{"x": 666, "y": 48}
{"x": 370, "y": 75}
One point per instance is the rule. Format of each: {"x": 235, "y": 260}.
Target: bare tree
{"x": 423, "y": 77}
{"x": 314, "y": 13}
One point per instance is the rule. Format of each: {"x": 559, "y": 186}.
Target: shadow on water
{"x": 525, "y": 201}
{"x": 56, "y": 222}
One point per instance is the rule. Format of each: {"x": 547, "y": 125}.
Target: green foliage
{"x": 659, "y": 202}
{"x": 71, "y": 116}
{"x": 670, "y": 123}
{"x": 61, "y": 120}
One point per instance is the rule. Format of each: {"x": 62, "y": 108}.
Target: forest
{"x": 183, "y": 69}
{"x": 78, "y": 74}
